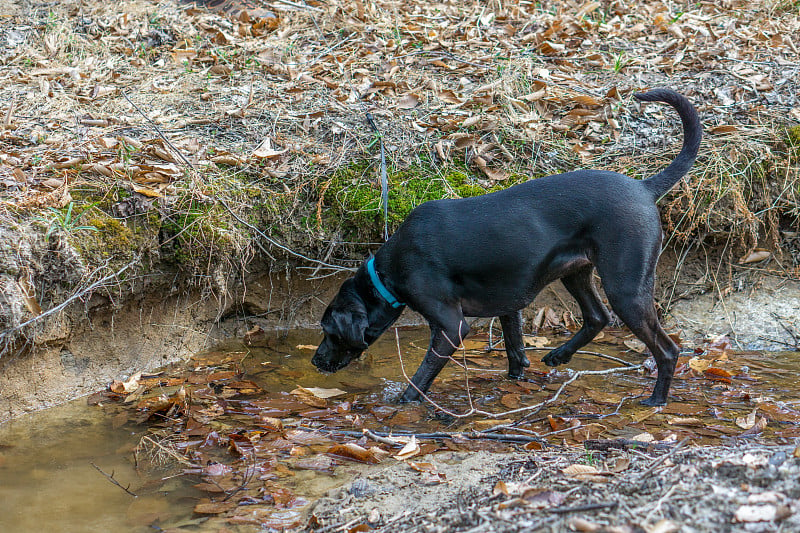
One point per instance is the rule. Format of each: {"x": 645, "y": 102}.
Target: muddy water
{"x": 48, "y": 482}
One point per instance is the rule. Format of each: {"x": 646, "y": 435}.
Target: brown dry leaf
{"x": 534, "y": 341}
{"x": 699, "y": 365}
{"x": 723, "y": 129}
{"x": 636, "y": 345}
{"x": 755, "y": 256}
{"x": 540, "y": 498}
{"x": 747, "y": 422}
{"x": 511, "y": 401}
{"x": 355, "y": 452}
{"x": 588, "y": 431}
{"x": 619, "y": 464}
{"x": 500, "y": 488}
{"x": 409, "y": 450}
{"x": 493, "y": 174}
{"x": 126, "y": 387}
{"x": 266, "y": 151}
{"x": 29, "y": 296}
{"x": 408, "y": 101}
{"x": 579, "y": 470}
{"x": 306, "y": 346}
{"x": 422, "y": 467}
{"x": 214, "y": 507}
{"x": 717, "y": 374}
{"x": 323, "y": 393}
{"x": 583, "y": 525}
{"x": 308, "y": 398}
{"x": 685, "y": 421}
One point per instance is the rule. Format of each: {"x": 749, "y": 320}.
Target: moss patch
{"x": 353, "y": 194}
{"x": 794, "y": 136}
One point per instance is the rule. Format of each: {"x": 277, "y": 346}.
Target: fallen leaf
{"x": 214, "y": 507}
{"x": 699, "y": 365}
{"x": 408, "y": 101}
{"x": 755, "y": 256}
{"x": 747, "y": 422}
{"x": 409, "y": 450}
{"x": 535, "y": 342}
{"x": 355, "y": 452}
{"x": 578, "y": 470}
{"x": 761, "y": 513}
{"x": 717, "y": 374}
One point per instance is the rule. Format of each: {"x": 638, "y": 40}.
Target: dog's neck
{"x": 380, "y": 312}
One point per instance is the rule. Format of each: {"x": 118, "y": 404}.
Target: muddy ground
{"x": 746, "y": 486}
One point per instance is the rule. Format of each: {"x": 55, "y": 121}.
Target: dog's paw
{"x": 516, "y": 374}
{"x": 410, "y": 395}
{"x": 653, "y": 402}
{"x": 557, "y": 357}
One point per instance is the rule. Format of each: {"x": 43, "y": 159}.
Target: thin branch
{"x": 110, "y": 477}
{"x": 475, "y": 411}
{"x": 661, "y": 459}
{"x": 69, "y": 300}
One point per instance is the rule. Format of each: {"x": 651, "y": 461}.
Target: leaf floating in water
{"x": 355, "y": 452}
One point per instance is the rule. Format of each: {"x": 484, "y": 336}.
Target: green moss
{"x": 794, "y": 136}
{"x": 114, "y": 235}
{"x": 354, "y": 194}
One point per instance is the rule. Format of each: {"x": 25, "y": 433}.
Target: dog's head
{"x": 345, "y": 322}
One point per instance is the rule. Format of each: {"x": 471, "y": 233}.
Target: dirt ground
{"x": 745, "y": 486}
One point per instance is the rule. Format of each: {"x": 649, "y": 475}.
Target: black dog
{"x": 490, "y": 255}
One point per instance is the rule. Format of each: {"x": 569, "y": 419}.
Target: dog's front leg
{"x": 515, "y": 347}
{"x": 444, "y": 343}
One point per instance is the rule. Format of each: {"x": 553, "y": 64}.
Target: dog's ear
{"x": 351, "y": 327}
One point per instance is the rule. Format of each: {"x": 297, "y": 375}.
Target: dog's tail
{"x": 692, "y": 134}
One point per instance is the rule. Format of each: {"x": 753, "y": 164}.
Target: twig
{"x": 661, "y": 459}
{"x": 69, "y": 300}
{"x": 158, "y": 131}
{"x": 587, "y": 507}
{"x": 299, "y": 6}
{"x": 276, "y": 244}
{"x": 382, "y": 439}
{"x": 384, "y": 178}
{"x": 475, "y": 411}
{"x": 386, "y": 438}
{"x": 584, "y": 352}
{"x": 604, "y": 445}
{"x": 10, "y": 114}
{"x": 110, "y": 477}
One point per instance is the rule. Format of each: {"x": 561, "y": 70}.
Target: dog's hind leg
{"x": 630, "y": 293}
{"x": 515, "y": 347}
{"x": 445, "y": 340}
{"x": 595, "y": 316}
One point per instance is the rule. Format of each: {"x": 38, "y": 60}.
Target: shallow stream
{"x": 59, "y": 468}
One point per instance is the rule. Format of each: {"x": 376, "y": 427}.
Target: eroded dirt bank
{"x": 101, "y": 340}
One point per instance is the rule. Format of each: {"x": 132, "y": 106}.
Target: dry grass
{"x": 178, "y": 107}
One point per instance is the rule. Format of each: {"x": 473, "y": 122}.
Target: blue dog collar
{"x": 381, "y": 288}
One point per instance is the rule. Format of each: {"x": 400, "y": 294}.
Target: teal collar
{"x": 380, "y": 287}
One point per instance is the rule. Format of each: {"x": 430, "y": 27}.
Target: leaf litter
{"x": 247, "y": 435}
{"x": 99, "y": 95}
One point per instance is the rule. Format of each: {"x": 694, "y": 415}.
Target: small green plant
{"x": 65, "y": 220}
{"x": 620, "y": 62}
